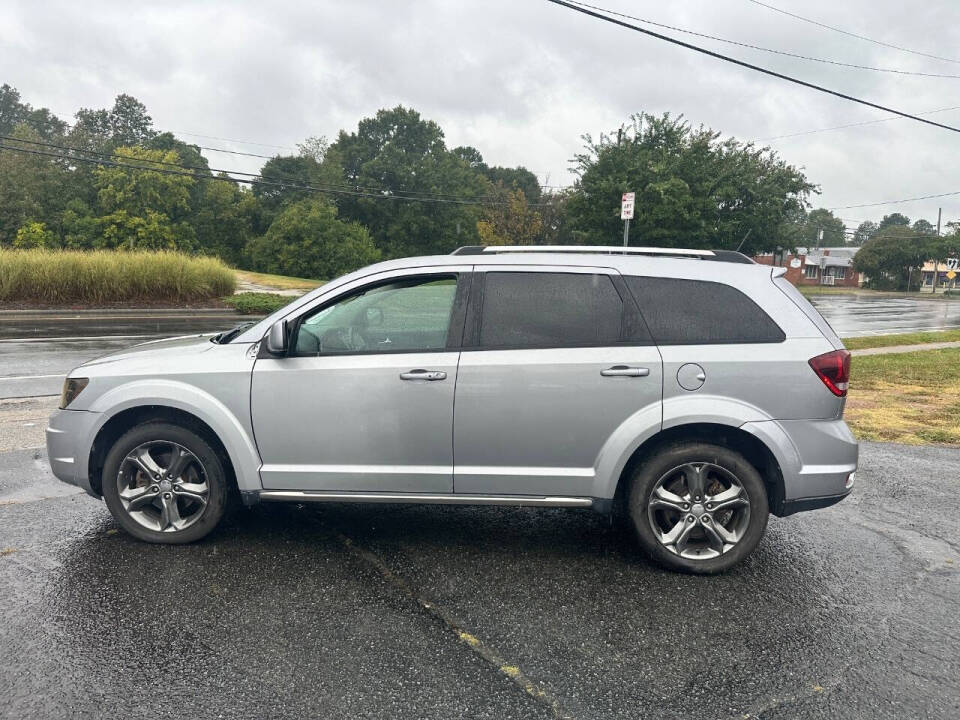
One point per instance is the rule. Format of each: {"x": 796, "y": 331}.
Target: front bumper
{"x": 817, "y": 459}
{"x": 68, "y": 446}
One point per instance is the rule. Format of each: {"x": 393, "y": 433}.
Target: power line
{"x": 253, "y": 180}
{"x": 850, "y": 125}
{"x": 741, "y": 63}
{"x": 896, "y": 202}
{"x": 765, "y": 49}
{"x": 854, "y": 35}
{"x": 410, "y": 194}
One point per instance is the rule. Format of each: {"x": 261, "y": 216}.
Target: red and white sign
{"x": 626, "y": 206}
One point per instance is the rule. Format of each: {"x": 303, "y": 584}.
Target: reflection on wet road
{"x": 853, "y": 315}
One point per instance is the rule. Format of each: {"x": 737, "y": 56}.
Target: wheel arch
{"x": 132, "y": 403}
{"x": 118, "y": 424}
{"x": 747, "y": 444}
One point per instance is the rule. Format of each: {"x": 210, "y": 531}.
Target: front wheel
{"x": 164, "y": 484}
{"x": 698, "y": 507}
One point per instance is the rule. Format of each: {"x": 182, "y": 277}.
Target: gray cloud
{"x": 521, "y": 80}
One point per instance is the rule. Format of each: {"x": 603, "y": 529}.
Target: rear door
{"x": 555, "y": 359}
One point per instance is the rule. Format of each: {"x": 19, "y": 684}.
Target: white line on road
{"x": 32, "y": 377}
{"x": 78, "y": 337}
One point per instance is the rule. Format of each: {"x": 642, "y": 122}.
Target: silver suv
{"x": 696, "y": 391}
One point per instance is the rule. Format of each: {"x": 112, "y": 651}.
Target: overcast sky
{"x": 520, "y": 80}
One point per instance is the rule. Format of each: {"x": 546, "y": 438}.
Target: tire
{"x": 712, "y": 535}
{"x": 161, "y": 509}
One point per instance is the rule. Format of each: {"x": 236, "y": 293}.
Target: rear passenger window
{"x": 531, "y": 310}
{"x": 699, "y": 312}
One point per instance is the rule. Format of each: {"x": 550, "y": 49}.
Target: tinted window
{"x": 696, "y": 312}
{"x": 406, "y": 315}
{"x": 526, "y": 310}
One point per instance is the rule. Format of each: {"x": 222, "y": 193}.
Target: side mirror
{"x": 277, "y": 340}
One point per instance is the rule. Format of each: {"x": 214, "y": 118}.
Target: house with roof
{"x": 831, "y": 266}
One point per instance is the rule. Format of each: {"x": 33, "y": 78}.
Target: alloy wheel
{"x": 163, "y": 486}
{"x": 699, "y": 510}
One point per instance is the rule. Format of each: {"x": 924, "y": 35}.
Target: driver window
{"x": 404, "y": 315}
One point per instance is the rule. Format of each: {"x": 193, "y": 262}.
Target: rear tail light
{"x": 834, "y": 369}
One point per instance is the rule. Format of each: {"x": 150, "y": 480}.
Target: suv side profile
{"x": 695, "y": 390}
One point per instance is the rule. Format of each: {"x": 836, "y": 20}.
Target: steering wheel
{"x": 341, "y": 339}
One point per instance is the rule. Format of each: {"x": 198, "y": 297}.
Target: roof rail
{"x": 717, "y": 255}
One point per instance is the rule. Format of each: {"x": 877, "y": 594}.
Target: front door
{"x": 559, "y": 360}
{"x": 364, "y": 400}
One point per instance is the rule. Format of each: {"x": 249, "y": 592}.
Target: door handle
{"x": 625, "y": 371}
{"x": 423, "y": 375}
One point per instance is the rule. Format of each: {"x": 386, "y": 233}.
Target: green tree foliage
{"x": 396, "y": 155}
{"x": 924, "y": 227}
{"x": 34, "y": 235}
{"x": 821, "y": 228}
{"x": 693, "y": 189}
{"x": 893, "y": 256}
{"x": 14, "y": 113}
{"x": 894, "y": 220}
{"x": 864, "y": 232}
{"x": 509, "y": 220}
{"x": 308, "y": 240}
{"x": 144, "y": 208}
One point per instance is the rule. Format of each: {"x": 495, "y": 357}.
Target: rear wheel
{"x": 164, "y": 483}
{"x": 698, "y": 507}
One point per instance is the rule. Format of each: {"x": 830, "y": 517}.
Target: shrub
{"x": 72, "y": 276}
{"x": 258, "y": 303}
{"x": 308, "y": 240}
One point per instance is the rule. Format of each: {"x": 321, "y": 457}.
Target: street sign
{"x": 953, "y": 263}
{"x": 951, "y": 275}
{"x": 626, "y": 206}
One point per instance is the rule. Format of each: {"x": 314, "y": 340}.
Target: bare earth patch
{"x": 910, "y": 398}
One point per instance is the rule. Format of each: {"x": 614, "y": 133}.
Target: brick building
{"x": 817, "y": 266}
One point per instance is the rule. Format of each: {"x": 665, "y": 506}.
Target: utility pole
{"x": 936, "y": 260}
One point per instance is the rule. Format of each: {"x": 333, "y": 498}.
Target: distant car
{"x": 695, "y": 390}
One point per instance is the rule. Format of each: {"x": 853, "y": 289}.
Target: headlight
{"x": 71, "y": 388}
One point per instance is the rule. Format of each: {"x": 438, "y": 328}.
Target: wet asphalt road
{"x": 356, "y": 611}
{"x": 853, "y": 315}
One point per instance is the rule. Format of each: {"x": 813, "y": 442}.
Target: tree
{"x": 142, "y": 207}
{"x": 509, "y": 220}
{"x": 125, "y": 124}
{"x": 821, "y": 228}
{"x": 308, "y": 240}
{"x": 864, "y": 232}
{"x": 222, "y": 219}
{"x": 33, "y": 235}
{"x": 13, "y": 113}
{"x": 892, "y": 257}
{"x": 33, "y": 188}
{"x": 693, "y": 189}
{"x": 923, "y": 227}
{"x": 894, "y": 220}
{"x": 418, "y": 194}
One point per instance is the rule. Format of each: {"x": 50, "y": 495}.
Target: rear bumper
{"x": 67, "y": 448}
{"x": 817, "y": 459}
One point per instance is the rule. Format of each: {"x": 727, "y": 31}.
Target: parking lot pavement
{"x": 440, "y": 612}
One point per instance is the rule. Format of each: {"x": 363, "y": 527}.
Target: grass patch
{"x": 257, "y": 303}
{"x": 73, "y": 276}
{"x": 826, "y": 290}
{"x": 280, "y": 282}
{"x": 915, "y": 338}
{"x": 909, "y": 397}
